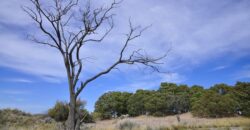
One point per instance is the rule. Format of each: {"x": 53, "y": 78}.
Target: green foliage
{"x": 221, "y": 100}
{"x": 177, "y": 98}
{"x": 59, "y": 112}
{"x": 156, "y": 104}
{"x": 112, "y": 104}
{"x": 242, "y": 93}
{"x": 97, "y": 116}
{"x": 214, "y": 104}
{"x": 222, "y": 89}
{"x": 169, "y": 88}
{"x": 86, "y": 116}
{"x": 136, "y": 103}
{"x": 195, "y": 93}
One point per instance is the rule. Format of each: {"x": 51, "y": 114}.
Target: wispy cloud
{"x": 243, "y": 74}
{"x": 12, "y": 13}
{"x": 173, "y": 78}
{"x": 219, "y": 68}
{"x": 150, "y": 82}
{"x": 132, "y": 87}
{"x": 199, "y": 32}
{"x": 246, "y": 66}
{"x": 18, "y": 80}
{"x": 19, "y": 54}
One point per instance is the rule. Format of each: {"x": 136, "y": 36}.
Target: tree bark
{"x": 178, "y": 116}
{"x": 71, "y": 117}
{"x": 71, "y": 121}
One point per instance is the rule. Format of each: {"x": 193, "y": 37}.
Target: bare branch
{"x": 32, "y": 38}
{"x": 53, "y": 22}
{"x": 133, "y": 59}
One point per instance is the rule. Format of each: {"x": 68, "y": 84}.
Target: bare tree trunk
{"x": 71, "y": 121}
{"x": 178, "y": 116}
{"x": 78, "y": 124}
{"x": 69, "y": 42}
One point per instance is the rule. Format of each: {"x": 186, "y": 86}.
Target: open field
{"x": 151, "y": 123}
{"x": 170, "y": 122}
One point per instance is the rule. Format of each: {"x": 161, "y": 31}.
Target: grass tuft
{"x": 127, "y": 125}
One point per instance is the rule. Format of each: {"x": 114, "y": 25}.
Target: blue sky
{"x": 209, "y": 42}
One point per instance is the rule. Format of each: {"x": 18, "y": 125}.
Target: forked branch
{"x": 134, "y": 58}
{"x": 54, "y": 21}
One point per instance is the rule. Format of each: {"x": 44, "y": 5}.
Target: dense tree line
{"x": 112, "y": 104}
{"x": 220, "y": 100}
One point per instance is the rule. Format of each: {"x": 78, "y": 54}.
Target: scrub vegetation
{"x": 171, "y": 107}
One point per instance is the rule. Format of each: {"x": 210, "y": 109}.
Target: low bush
{"x": 61, "y": 110}
{"x": 127, "y": 125}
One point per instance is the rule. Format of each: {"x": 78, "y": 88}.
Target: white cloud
{"x": 19, "y": 80}
{"x": 151, "y": 81}
{"x": 219, "y": 68}
{"x": 198, "y": 32}
{"x": 21, "y": 55}
{"x": 243, "y": 74}
{"x": 173, "y": 78}
{"x": 137, "y": 85}
{"x": 12, "y": 13}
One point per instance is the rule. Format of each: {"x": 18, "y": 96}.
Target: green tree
{"x": 169, "y": 88}
{"x": 214, "y": 104}
{"x": 177, "y": 97}
{"x": 136, "y": 103}
{"x": 222, "y": 88}
{"x": 242, "y": 93}
{"x": 195, "y": 94}
{"x": 112, "y": 104}
{"x": 155, "y": 104}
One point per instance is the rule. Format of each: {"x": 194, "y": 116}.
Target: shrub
{"x": 9, "y": 117}
{"x": 88, "y": 118}
{"x": 97, "y": 116}
{"x": 127, "y": 125}
{"x": 59, "y": 112}
{"x": 158, "y": 114}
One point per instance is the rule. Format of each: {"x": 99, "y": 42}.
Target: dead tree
{"x": 55, "y": 22}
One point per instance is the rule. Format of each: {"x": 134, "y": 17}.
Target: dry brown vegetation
{"x": 143, "y": 123}
{"x": 170, "y": 122}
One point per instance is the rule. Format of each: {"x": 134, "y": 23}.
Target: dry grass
{"x": 151, "y": 123}
{"x": 32, "y": 127}
{"x": 170, "y": 122}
